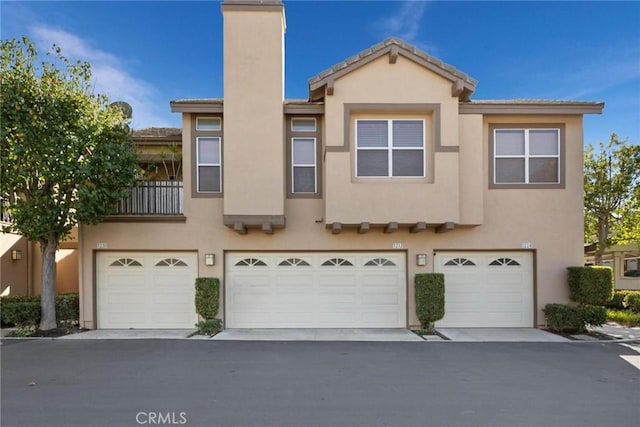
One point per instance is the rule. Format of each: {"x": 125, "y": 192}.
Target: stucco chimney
{"x": 253, "y": 153}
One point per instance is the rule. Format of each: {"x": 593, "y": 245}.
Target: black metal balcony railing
{"x": 5, "y": 216}
{"x": 152, "y": 198}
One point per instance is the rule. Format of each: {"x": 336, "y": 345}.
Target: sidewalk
{"x": 619, "y": 332}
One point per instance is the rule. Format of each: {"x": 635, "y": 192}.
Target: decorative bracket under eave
{"x": 443, "y": 228}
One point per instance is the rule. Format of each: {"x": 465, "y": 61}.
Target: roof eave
{"x": 528, "y": 108}
{"x": 197, "y": 106}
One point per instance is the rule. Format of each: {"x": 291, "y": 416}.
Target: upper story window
{"x": 209, "y": 165}
{"x": 303, "y": 154}
{"x": 208, "y": 123}
{"x": 206, "y": 156}
{"x": 303, "y": 124}
{"x": 390, "y": 148}
{"x": 527, "y": 157}
{"x": 303, "y": 165}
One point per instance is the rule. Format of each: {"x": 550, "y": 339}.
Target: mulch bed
{"x": 51, "y": 333}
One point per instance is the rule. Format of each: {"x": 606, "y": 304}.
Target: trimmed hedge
{"x": 617, "y": 302}
{"x": 572, "y": 319}
{"x": 68, "y": 309}
{"x": 429, "y": 298}
{"x": 209, "y": 327}
{"x": 632, "y": 301}
{"x": 7, "y": 302}
{"x": 23, "y": 314}
{"x": 207, "y": 296}
{"x": 592, "y": 285}
{"x": 24, "y": 311}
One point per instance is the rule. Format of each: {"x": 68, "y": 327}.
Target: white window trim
{"x": 198, "y": 164}
{"x": 315, "y": 124}
{"x": 216, "y": 129}
{"x": 390, "y": 148}
{"x": 526, "y": 156}
{"x": 294, "y": 165}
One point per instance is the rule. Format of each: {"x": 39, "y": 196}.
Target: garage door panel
{"x": 336, "y": 280}
{"x": 333, "y": 290}
{"x": 123, "y": 298}
{"x": 380, "y": 299}
{"x": 250, "y": 301}
{"x": 486, "y": 295}
{"x": 252, "y": 280}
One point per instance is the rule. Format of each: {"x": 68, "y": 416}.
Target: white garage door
{"x": 315, "y": 290}
{"x": 149, "y": 290}
{"x": 487, "y": 289}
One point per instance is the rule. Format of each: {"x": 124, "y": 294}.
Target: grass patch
{"x": 624, "y": 317}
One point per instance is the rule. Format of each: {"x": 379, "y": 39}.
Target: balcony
{"x": 151, "y": 199}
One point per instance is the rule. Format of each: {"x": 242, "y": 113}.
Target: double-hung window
{"x": 303, "y": 154}
{"x": 303, "y": 151}
{"x": 208, "y": 155}
{"x": 209, "y": 165}
{"x": 390, "y": 148}
{"x": 526, "y": 156}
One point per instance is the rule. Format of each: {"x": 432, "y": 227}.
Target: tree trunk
{"x": 48, "y": 283}
{"x": 603, "y": 235}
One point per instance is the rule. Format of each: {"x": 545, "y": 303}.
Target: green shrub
{"x": 617, "y": 302}
{"x": 632, "y": 301}
{"x": 23, "y": 314}
{"x": 209, "y": 327}
{"x": 626, "y": 317}
{"x": 593, "y": 315}
{"x": 13, "y": 309}
{"x": 68, "y": 310}
{"x": 591, "y": 285}
{"x": 207, "y": 296}
{"x": 572, "y": 319}
{"x": 7, "y": 301}
{"x": 429, "y": 297}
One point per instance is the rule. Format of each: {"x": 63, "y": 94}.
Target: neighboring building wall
{"x": 14, "y": 277}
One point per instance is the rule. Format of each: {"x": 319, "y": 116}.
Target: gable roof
{"x": 463, "y": 85}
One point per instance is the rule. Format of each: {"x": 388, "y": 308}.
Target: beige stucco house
{"x": 625, "y": 261}
{"x": 319, "y": 212}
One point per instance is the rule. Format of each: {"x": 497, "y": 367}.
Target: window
{"x": 303, "y": 145}
{"x": 390, "y": 148}
{"x": 251, "y": 262}
{"x": 379, "y": 262}
{"x": 526, "y": 156}
{"x": 209, "y": 165}
{"x": 208, "y": 123}
{"x": 291, "y": 262}
{"x": 126, "y": 262}
{"x": 171, "y": 262}
{"x": 206, "y": 156}
{"x": 504, "y": 261}
{"x": 459, "y": 262}
{"x": 337, "y": 262}
{"x": 303, "y": 124}
{"x": 303, "y": 161}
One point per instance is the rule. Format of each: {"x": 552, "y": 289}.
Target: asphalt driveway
{"x": 227, "y": 383}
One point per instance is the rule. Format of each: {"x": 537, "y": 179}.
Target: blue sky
{"x": 148, "y": 53}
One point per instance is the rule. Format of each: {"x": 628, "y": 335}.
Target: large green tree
{"x": 611, "y": 194}
{"x": 67, "y": 156}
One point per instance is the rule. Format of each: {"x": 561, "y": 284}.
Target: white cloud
{"x": 109, "y": 74}
{"x": 405, "y": 23}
